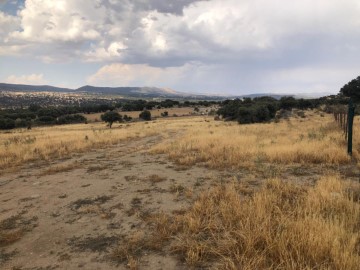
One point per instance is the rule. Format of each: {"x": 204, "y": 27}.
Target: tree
{"x": 352, "y": 89}
{"x": 145, "y": 115}
{"x": 111, "y": 117}
{"x": 245, "y": 115}
{"x": 6, "y": 123}
{"x": 71, "y": 119}
{"x": 127, "y": 118}
{"x": 287, "y": 103}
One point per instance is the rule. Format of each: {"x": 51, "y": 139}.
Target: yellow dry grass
{"x": 283, "y": 226}
{"x": 192, "y": 140}
{"x": 219, "y": 145}
{"x": 45, "y": 143}
{"x": 20, "y": 146}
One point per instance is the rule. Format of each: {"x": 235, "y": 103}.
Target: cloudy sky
{"x": 200, "y": 46}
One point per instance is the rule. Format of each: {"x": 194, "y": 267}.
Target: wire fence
{"x": 345, "y": 118}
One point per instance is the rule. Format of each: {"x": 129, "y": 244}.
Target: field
{"x": 180, "y": 193}
{"x": 155, "y": 113}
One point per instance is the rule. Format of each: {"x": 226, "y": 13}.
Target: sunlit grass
{"x": 192, "y": 140}
{"x": 281, "y": 226}
{"x": 313, "y": 140}
{"x": 46, "y": 143}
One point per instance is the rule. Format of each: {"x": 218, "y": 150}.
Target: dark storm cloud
{"x": 172, "y": 6}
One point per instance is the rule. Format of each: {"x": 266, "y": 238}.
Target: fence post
{"x": 351, "y": 112}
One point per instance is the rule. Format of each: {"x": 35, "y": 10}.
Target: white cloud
{"x": 141, "y": 75}
{"x": 8, "y": 24}
{"x": 36, "y": 79}
{"x": 141, "y": 31}
{"x": 59, "y": 21}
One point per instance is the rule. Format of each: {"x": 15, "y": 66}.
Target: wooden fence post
{"x": 350, "y": 122}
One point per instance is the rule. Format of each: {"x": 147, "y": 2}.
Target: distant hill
{"x": 137, "y": 92}
{"x": 31, "y": 88}
{"x": 276, "y": 96}
{"x": 131, "y": 91}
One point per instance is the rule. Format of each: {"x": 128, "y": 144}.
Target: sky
{"x": 230, "y": 47}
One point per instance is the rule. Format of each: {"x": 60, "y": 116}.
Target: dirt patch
{"x": 100, "y": 243}
{"x": 4, "y": 256}
{"x": 13, "y": 228}
{"x": 78, "y": 215}
{"x": 88, "y": 201}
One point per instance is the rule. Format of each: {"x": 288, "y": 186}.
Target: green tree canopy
{"x": 352, "y": 89}
{"x": 111, "y": 117}
{"x": 145, "y": 115}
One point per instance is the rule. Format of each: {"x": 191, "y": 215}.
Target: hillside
{"x": 140, "y": 92}
{"x": 130, "y": 91}
{"x": 31, "y": 88}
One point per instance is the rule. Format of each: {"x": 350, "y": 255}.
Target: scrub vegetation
{"x": 282, "y": 195}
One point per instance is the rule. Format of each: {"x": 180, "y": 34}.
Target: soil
{"x": 73, "y": 218}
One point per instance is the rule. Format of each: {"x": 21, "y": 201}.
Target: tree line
{"x": 263, "y": 109}
{"x": 37, "y": 115}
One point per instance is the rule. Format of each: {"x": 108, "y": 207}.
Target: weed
{"x": 154, "y": 178}
{"x": 177, "y": 188}
{"x": 13, "y": 228}
{"x": 97, "y": 168}
{"x": 60, "y": 168}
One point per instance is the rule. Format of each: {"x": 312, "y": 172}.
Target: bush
{"x": 145, "y": 115}
{"x": 71, "y": 119}
{"x": 19, "y": 123}
{"x": 46, "y": 119}
{"x": 6, "y": 123}
{"x": 127, "y": 118}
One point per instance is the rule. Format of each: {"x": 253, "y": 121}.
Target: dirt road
{"x": 70, "y": 214}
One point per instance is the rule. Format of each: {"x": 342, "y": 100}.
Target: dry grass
{"x": 46, "y": 143}
{"x": 282, "y": 226}
{"x": 13, "y": 228}
{"x": 21, "y": 146}
{"x": 315, "y": 140}
{"x": 154, "y": 178}
{"x": 60, "y": 168}
{"x": 220, "y": 145}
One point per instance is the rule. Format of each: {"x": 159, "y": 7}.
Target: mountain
{"x": 31, "y": 88}
{"x": 138, "y": 92}
{"x": 131, "y": 91}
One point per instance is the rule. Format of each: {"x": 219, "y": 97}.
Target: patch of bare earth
{"x": 74, "y": 213}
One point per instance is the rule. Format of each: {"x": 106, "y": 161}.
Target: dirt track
{"x": 71, "y": 213}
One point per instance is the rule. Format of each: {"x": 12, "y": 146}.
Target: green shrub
{"x": 145, "y": 115}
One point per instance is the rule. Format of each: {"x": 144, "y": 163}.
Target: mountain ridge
{"x": 135, "y": 92}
